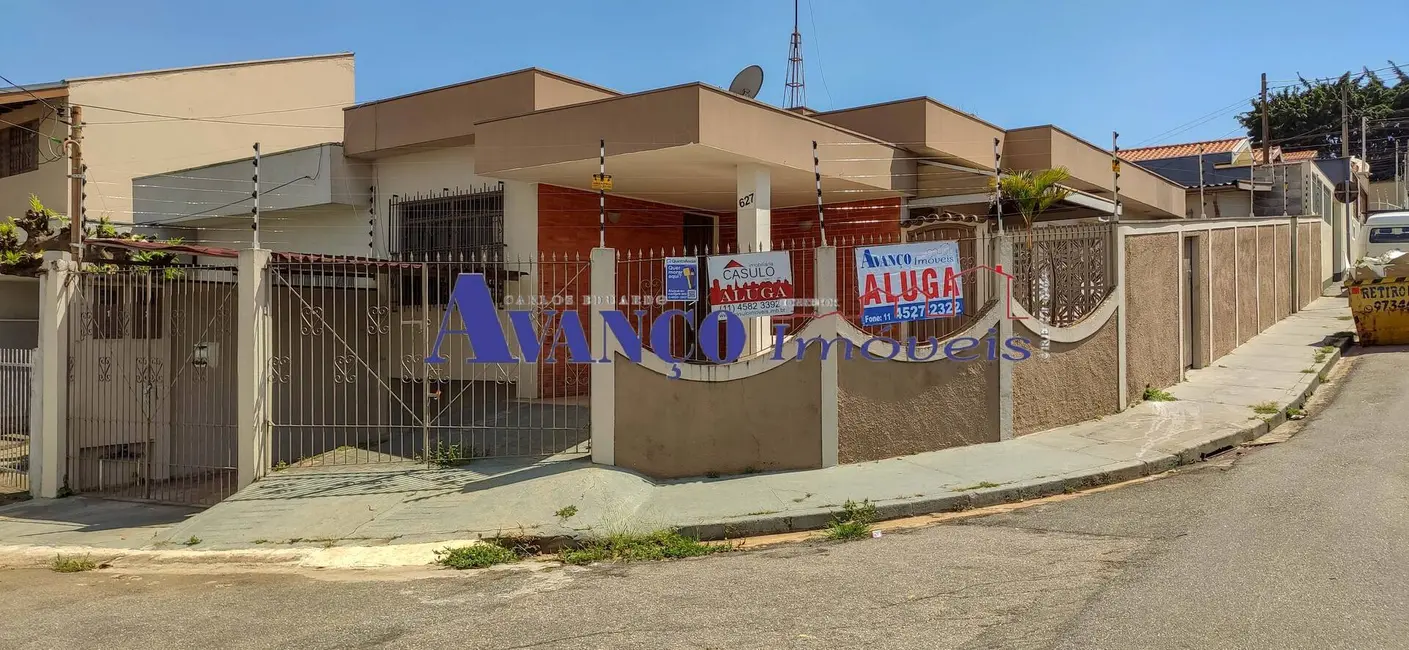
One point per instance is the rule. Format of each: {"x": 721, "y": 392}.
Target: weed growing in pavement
{"x": 1294, "y": 412}
{"x": 475, "y": 556}
{"x": 981, "y": 485}
{"x": 627, "y": 547}
{"x": 192, "y": 541}
{"x": 1153, "y": 394}
{"x": 72, "y": 564}
{"x": 1265, "y": 408}
{"x": 444, "y": 455}
{"x": 853, "y": 522}
{"x": 803, "y": 498}
{"x": 1308, "y": 371}
{"x": 1344, "y": 317}
{"x": 565, "y": 513}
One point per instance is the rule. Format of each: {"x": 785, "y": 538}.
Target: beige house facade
{"x": 139, "y": 123}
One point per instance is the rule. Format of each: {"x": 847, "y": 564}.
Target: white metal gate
{"x": 151, "y": 387}
{"x": 16, "y": 371}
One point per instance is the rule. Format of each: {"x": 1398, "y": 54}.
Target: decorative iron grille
{"x": 453, "y": 221}
{"x": 1063, "y": 273}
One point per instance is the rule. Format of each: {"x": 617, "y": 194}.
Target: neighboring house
{"x": 503, "y": 165}
{"x": 144, "y": 122}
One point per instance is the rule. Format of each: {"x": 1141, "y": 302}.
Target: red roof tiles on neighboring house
{"x": 1180, "y": 150}
{"x": 1296, "y": 156}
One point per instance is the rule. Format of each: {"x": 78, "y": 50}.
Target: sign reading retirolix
{"x": 472, "y": 302}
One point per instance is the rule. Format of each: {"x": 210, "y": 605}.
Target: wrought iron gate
{"x": 15, "y": 394}
{"x": 352, "y": 385}
{"x": 151, "y": 386}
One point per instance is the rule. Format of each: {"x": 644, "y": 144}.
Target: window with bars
{"x": 455, "y": 221}
{"x": 19, "y": 149}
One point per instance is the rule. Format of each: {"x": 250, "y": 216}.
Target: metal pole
{"x": 602, "y": 196}
{"x": 998, "y": 183}
{"x": 254, "y": 242}
{"x": 1115, "y": 177}
{"x": 1266, "y": 125}
{"x": 76, "y": 180}
{"x": 817, "y": 171}
{"x": 1364, "y": 135}
{"x": 1203, "y": 211}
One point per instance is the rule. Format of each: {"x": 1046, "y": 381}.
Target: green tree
{"x": 1032, "y": 192}
{"x": 1307, "y": 115}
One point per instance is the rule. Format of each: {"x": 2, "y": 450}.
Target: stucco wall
{"x": 771, "y": 421}
{"x": 238, "y": 102}
{"x": 1224, "y": 292}
{"x": 50, "y": 181}
{"x": 1267, "y": 276}
{"x": 1203, "y": 349}
{"x": 1247, "y": 283}
{"x": 1152, "y": 326}
{"x": 1283, "y": 274}
{"x": 895, "y": 408}
{"x": 19, "y": 313}
{"x": 1076, "y": 382}
{"x": 1307, "y": 286}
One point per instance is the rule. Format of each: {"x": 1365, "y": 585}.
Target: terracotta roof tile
{"x": 1180, "y": 150}
{"x": 1295, "y": 156}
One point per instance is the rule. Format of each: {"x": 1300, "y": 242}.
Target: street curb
{"x": 422, "y": 554}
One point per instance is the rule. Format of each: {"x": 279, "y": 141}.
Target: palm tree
{"x": 1032, "y": 193}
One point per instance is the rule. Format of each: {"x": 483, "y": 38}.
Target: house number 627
{"x": 746, "y": 200}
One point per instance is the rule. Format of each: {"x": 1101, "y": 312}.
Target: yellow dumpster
{"x": 1381, "y": 310}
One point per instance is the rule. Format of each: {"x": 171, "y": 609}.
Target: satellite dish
{"x": 748, "y": 82}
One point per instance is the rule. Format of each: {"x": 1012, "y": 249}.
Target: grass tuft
{"x": 72, "y": 564}
{"x": 475, "y": 556}
{"x": 981, "y": 485}
{"x": 626, "y": 547}
{"x": 565, "y": 513}
{"x": 1265, "y": 408}
{"x": 853, "y": 522}
{"x": 1153, "y": 394}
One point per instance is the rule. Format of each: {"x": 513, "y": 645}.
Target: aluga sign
{"x": 472, "y": 300}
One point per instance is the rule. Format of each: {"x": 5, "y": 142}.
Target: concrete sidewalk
{"x": 399, "y": 504}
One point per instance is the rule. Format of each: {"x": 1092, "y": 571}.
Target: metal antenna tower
{"x": 796, "y": 88}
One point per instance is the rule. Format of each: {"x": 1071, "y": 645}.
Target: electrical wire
{"x": 203, "y": 119}
{"x": 31, "y": 94}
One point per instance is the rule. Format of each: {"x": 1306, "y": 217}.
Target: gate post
{"x": 48, "y": 420}
{"x": 1003, "y": 258}
{"x": 825, "y": 289}
{"x": 603, "y": 392}
{"x": 253, "y": 398}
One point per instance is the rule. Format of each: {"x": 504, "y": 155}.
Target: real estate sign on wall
{"x": 908, "y": 282}
{"x": 682, "y": 279}
{"x": 752, "y": 284}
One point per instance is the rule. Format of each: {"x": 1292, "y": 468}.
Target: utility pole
{"x": 1115, "y": 177}
{"x": 1344, "y": 252}
{"x": 255, "y": 226}
{"x": 1266, "y": 125}
{"x": 998, "y": 183}
{"x": 76, "y": 215}
{"x": 1364, "y": 135}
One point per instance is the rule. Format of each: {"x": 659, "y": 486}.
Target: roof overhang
{"x": 926, "y": 127}
{"x": 1142, "y": 193}
{"x": 683, "y": 146}
{"x": 447, "y": 116}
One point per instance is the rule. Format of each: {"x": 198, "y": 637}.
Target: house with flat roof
{"x": 505, "y": 165}
{"x": 140, "y": 123}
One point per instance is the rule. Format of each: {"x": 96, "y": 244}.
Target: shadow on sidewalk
{"x": 92, "y": 515}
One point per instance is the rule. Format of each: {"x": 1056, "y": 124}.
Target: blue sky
{"x": 1142, "y": 67}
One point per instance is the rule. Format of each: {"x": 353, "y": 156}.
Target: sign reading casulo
{"x": 752, "y": 284}
{"x": 472, "y": 303}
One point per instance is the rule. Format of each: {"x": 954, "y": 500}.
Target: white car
{"x": 1388, "y": 231}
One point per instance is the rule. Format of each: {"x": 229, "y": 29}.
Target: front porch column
{"x": 755, "y": 233}
{"x": 254, "y": 391}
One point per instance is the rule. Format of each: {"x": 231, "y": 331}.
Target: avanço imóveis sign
{"x": 908, "y": 282}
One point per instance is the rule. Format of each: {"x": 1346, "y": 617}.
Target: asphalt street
{"x": 1292, "y": 545}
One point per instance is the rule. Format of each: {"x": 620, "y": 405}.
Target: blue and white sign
{"x": 908, "y": 282}
{"x": 682, "y": 279}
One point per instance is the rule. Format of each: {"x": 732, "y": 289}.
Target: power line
{"x": 31, "y": 94}
{"x": 200, "y": 119}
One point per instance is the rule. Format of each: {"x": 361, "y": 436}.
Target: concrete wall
{"x": 304, "y": 97}
{"x": 50, "y": 181}
{"x": 19, "y": 312}
{"x": 1225, "y": 273}
{"x": 770, "y": 421}
{"x": 1267, "y": 261}
{"x": 330, "y": 229}
{"x": 1076, "y": 382}
{"x": 897, "y": 408}
{"x": 1247, "y": 284}
{"x": 1151, "y": 267}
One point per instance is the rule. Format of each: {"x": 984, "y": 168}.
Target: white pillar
{"x": 603, "y": 395}
{"x": 253, "y": 387}
{"x": 755, "y": 233}
{"x": 48, "y": 442}
{"x": 1004, "y": 259}
{"x": 825, "y": 279}
{"x": 521, "y": 242}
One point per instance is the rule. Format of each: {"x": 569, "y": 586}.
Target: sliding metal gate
{"x": 151, "y": 383}
{"x": 351, "y": 382}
